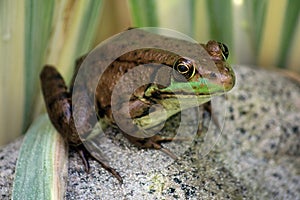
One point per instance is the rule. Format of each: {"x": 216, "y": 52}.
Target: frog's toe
{"x": 84, "y": 154}
{"x": 154, "y": 142}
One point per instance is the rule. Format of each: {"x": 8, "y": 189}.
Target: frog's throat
{"x": 171, "y": 106}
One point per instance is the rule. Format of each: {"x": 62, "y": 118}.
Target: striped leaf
{"x": 41, "y": 169}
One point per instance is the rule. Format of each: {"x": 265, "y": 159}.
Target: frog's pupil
{"x": 182, "y": 68}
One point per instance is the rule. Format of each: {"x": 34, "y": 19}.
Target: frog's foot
{"x": 84, "y": 154}
{"x": 153, "y": 142}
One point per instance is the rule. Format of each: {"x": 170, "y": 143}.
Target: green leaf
{"x": 11, "y": 69}
{"x": 291, "y": 18}
{"x": 38, "y": 21}
{"x": 143, "y": 13}
{"x": 220, "y": 21}
{"x": 79, "y": 38}
{"x": 256, "y": 12}
{"x": 42, "y": 163}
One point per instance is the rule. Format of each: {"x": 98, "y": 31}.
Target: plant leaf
{"x": 42, "y": 163}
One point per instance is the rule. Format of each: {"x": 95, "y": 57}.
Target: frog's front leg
{"x": 207, "y": 115}
{"x": 59, "y": 108}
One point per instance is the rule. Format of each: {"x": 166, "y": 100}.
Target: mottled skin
{"x": 59, "y": 104}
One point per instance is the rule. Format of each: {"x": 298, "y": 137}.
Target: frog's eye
{"x": 184, "y": 68}
{"x": 224, "y": 50}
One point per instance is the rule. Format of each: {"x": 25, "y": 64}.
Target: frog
{"x": 179, "y": 75}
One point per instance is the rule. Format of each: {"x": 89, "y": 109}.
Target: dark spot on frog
{"x": 156, "y": 95}
{"x": 59, "y": 97}
{"x": 213, "y": 75}
{"x": 55, "y": 76}
{"x": 151, "y": 61}
{"x": 141, "y": 35}
{"x": 60, "y": 121}
{"x": 60, "y": 85}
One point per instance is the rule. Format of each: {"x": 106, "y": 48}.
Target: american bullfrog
{"x": 168, "y": 75}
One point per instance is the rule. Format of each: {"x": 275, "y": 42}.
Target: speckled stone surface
{"x": 8, "y": 160}
{"x": 257, "y": 156}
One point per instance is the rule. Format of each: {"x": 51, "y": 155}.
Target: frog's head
{"x": 209, "y": 76}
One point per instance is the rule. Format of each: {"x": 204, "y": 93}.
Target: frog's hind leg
{"x": 58, "y": 104}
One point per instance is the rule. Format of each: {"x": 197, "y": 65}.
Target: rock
{"x": 255, "y": 157}
{"x": 8, "y": 160}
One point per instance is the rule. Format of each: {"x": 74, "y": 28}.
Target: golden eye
{"x": 224, "y": 49}
{"x": 184, "y": 69}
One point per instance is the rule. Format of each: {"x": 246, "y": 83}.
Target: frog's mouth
{"x": 175, "y": 101}
{"x": 188, "y": 90}
{"x": 186, "y": 100}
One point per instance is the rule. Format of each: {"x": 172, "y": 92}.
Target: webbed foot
{"x": 84, "y": 154}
